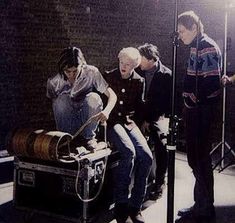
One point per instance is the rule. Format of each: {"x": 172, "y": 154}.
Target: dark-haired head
{"x": 149, "y": 51}
{"x": 188, "y": 19}
{"x": 70, "y": 57}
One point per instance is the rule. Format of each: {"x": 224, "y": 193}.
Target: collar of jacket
{"x": 158, "y": 67}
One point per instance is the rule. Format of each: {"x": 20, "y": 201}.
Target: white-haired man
{"x": 126, "y": 137}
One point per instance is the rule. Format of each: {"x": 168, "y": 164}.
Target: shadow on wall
{"x": 33, "y": 37}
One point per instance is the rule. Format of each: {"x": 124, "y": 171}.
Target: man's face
{"x": 146, "y": 64}
{"x": 186, "y": 35}
{"x": 126, "y": 66}
{"x": 71, "y": 73}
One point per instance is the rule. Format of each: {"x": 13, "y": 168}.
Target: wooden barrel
{"x": 39, "y": 144}
{"x": 20, "y": 142}
{"x": 51, "y": 145}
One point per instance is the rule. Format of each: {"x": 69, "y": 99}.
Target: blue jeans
{"x": 161, "y": 155}
{"x": 134, "y": 152}
{"x": 71, "y": 115}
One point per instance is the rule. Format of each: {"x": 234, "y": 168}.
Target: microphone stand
{"x": 173, "y": 128}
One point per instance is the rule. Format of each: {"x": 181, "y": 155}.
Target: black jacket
{"x": 158, "y": 98}
{"x": 129, "y": 97}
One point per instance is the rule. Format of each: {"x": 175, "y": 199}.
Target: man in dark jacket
{"x": 156, "y": 110}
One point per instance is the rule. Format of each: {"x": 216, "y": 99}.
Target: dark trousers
{"x": 198, "y": 123}
{"x": 160, "y": 153}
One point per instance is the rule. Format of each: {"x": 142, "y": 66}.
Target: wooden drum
{"x": 39, "y": 144}
{"x": 51, "y": 145}
{"x": 20, "y": 142}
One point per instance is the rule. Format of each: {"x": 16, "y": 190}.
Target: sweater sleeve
{"x": 209, "y": 74}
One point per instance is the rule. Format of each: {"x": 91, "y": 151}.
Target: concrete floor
{"x": 156, "y": 211}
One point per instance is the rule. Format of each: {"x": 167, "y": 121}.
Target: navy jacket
{"x": 129, "y": 97}
{"x": 158, "y": 98}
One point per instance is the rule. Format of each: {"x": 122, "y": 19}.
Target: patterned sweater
{"x": 202, "y": 81}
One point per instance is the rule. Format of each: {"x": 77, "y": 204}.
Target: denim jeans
{"x": 156, "y": 131}
{"x": 136, "y": 155}
{"x": 71, "y": 115}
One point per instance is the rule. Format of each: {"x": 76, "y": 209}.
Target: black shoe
{"x": 136, "y": 215}
{"x": 155, "y": 195}
{"x": 188, "y": 214}
{"x": 195, "y": 219}
{"x": 156, "y": 192}
{"x": 129, "y": 220}
{"x": 184, "y": 220}
{"x": 121, "y": 212}
{"x": 192, "y": 212}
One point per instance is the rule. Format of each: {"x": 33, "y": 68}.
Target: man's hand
{"x": 225, "y": 80}
{"x": 101, "y": 117}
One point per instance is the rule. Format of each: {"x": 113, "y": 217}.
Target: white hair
{"x": 132, "y": 53}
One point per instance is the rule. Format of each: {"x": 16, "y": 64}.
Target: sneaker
{"x": 80, "y": 141}
{"x": 101, "y": 145}
{"x": 91, "y": 144}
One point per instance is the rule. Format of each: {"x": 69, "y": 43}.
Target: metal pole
{"x": 171, "y": 140}
{"x": 224, "y": 88}
{"x": 85, "y": 193}
{"x": 85, "y": 203}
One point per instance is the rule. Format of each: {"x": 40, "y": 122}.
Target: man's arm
{"x": 50, "y": 92}
{"x": 112, "y": 98}
{"x": 209, "y": 71}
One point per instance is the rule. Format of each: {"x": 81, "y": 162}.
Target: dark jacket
{"x": 129, "y": 97}
{"x": 158, "y": 97}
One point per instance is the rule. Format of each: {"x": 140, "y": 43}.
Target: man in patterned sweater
{"x": 201, "y": 94}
